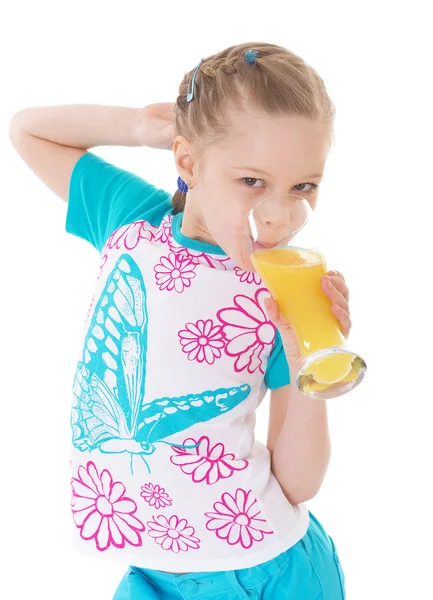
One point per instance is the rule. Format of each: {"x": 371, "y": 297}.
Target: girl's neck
{"x": 193, "y": 226}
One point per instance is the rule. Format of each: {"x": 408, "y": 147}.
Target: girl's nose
{"x": 274, "y": 222}
{"x": 284, "y": 214}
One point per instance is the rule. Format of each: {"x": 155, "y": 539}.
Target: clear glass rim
{"x": 249, "y": 219}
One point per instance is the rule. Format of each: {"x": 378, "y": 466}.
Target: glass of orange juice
{"x": 291, "y": 267}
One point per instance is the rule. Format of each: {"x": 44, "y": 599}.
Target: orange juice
{"x": 292, "y": 275}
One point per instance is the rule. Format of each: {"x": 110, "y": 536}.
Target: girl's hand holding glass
{"x": 334, "y": 286}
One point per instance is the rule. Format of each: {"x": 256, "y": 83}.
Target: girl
{"x": 182, "y": 339}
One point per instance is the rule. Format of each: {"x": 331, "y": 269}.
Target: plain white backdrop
{"x": 376, "y": 212}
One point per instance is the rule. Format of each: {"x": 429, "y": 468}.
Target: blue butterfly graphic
{"x": 109, "y": 411}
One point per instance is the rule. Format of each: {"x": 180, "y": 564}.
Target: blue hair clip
{"x": 250, "y": 56}
{"x": 190, "y": 94}
{"x": 181, "y": 185}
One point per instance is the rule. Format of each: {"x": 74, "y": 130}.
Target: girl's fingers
{"x": 337, "y": 273}
{"x": 272, "y": 310}
{"x": 343, "y": 318}
{"x": 339, "y": 283}
{"x": 334, "y": 294}
{"x": 274, "y": 314}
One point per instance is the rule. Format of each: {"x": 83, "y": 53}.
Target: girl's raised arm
{"x": 51, "y": 139}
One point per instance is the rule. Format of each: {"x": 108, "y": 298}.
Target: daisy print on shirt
{"x": 102, "y": 511}
{"x": 206, "y": 463}
{"x": 248, "y": 331}
{"x": 237, "y": 519}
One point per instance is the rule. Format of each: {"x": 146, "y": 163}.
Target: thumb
{"x": 272, "y": 310}
{"x": 274, "y": 313}
{"x": 290, "y": 343}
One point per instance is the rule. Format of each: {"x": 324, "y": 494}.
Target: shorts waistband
{"x": 208, "y": 582}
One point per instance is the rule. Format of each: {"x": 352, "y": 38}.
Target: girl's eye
{"x": 251, "y": 181}
{"x": 314, "y": 186}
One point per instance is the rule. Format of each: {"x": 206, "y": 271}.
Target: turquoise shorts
{"x": 309, "y": 570}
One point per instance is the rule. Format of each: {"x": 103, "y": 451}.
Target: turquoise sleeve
{"x": 103, "y": 197}
{"x": 277, "y": 372}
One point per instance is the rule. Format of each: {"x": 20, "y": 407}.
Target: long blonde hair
{"x": 278, "y": 83}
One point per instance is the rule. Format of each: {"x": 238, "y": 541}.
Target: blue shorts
{"x": 309, "y": 570}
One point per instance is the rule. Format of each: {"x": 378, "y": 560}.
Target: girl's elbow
{"x": 302, "y": 496}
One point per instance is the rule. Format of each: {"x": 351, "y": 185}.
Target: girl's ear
{"x": 182, "y": 157}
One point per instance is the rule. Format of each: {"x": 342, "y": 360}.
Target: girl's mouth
{"x": 264, "y": 245}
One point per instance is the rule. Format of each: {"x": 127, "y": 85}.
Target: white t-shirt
{"x": 177, "y": 353}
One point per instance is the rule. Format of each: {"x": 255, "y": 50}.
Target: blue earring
{"x": 181, "y": 185}
{"x": 190, "y": 94}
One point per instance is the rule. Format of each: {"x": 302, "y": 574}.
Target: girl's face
{"x": 263, "y": 156}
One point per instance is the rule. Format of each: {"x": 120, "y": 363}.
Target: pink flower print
{"x": 205, "y": 463}
{"x": 211, "y": 260}
{"x": 129, "y": 236}
{"x": 155, "y": 495}
{"x": 202, "y": 341}
{"x": 104, "y": 258}
{"x": 164, "y": 234}
{"x": 236, "y": 519}
{"x": 173, "y": 534}
{"x": 90, "y": 308}
{"x": 173, "y": 273}
{"x": 247, "y": 276}
{"x": 248, "y": 331}
{"x": 102, "y": 511}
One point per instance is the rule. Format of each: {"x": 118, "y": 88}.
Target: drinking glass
{"x": 282, "y": 237}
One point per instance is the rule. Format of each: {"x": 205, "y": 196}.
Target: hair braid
{"x": 227, "y": 66}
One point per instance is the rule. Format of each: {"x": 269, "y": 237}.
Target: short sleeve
{"x": 277, "y": 372}
{"x": 103, "y": 197}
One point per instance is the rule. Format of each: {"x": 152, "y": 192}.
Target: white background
{"x": 376, "y": 206}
